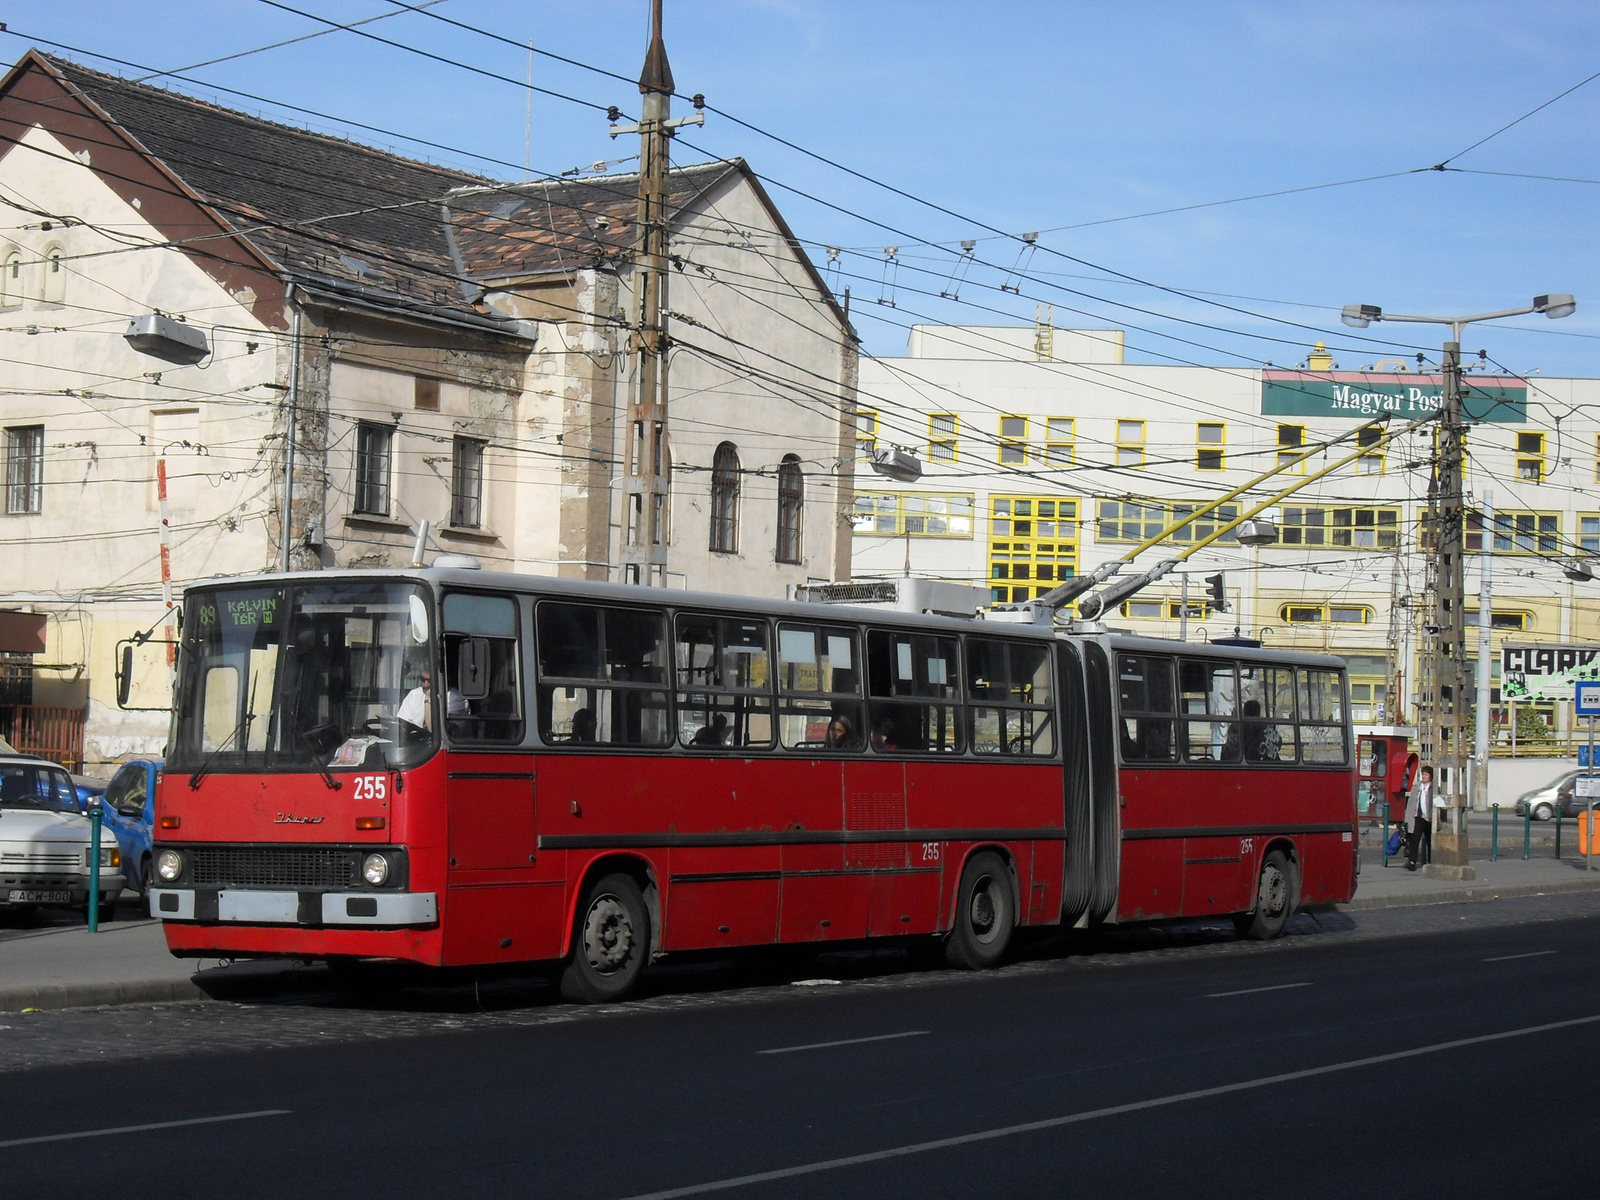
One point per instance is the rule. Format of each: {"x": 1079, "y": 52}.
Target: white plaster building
{"x": 431, "y": 345}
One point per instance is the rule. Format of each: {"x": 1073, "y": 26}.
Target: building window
{"x": 725, "y": 499}
{"x": 466, "y": 483}
{"x": 1589, "y": 532}
{"x": 425, "y": 394}
{"x": 1326, "y": 614}
{"x": 1597, "y": 458}
{"x": 1033, "y": 545}
{"x": 1514, "y": 532}
{"x": 1130, "y": 444}
{"x": 1530, "y": 457}
{"x": 54, "y": 290}
{"x": 791, "y": 508}
{"x": 1291, "y": 445}
{"x": 942, "y": 433}
{"x": 1209, "y": 439}
{"x": 1060, "y": 441}
{"x": 1137, "y": 521}
{"x": 1369, "y": 687}
{"x": 866, "y": 432}
{"x": 373, "y": 446}
{"x": 1351, "y": 528}
{"x": 25, "y": 469}
{"x": 913, "y": 514}
{"x": 11, "y": 280}
{"x": 1013, "y": 439}
{"x": 1171, "y": 610}
{"x": 1369, "y": 439}
{"x": 1500, "y": 619}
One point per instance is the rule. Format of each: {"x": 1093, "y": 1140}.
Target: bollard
{"x": 1558, "y": 826}
{"x": 1527, "y": 831}
{"x": 1494, "y": 834}
{"x": 1588, "y": 829}
{"x": 1383, "y": 846}
{"x": 94, "y": 865}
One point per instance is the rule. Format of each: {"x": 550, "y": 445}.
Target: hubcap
{"x": 607, "y": 935}
{"x": 983, "y": 913}
{"x": 1274, "y": 891}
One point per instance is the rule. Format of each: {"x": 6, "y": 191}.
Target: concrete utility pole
{"x": 1443, "y": 698}
{"x": 645, "y": 532}
{"x": 1480, "y": 740}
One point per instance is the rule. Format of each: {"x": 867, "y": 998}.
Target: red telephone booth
{"x": 1385, "y": 767}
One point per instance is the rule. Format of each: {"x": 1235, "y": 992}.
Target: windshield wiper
{"x": 205, "y": 767}
{"x": 322, "y": 769}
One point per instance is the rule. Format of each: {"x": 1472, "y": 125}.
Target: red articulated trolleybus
{"x": 456, "y": 767}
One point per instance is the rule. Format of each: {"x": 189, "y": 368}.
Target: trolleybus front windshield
{"x": 326, "y": 677}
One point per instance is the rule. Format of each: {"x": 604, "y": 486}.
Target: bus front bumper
{"x": 251, "y": 906}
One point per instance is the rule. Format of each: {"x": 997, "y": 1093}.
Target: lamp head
{"x": 1555, "y": 305}
{"x": 1257, "y": 532}
{"x": 1359, "y": 316}
{"x": 1579, "y": 571}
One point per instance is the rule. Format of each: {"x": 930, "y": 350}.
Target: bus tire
{"x": 610, "y": 942}
{"x": 1275, "y": 895}
{"x": 985, "y": 915}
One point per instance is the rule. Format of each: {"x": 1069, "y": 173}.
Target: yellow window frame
{"x": 1130, "y": 445}
{"x": 944, "y": 445}
{"x": 1060, "y": 451}
{"x": 1013, "y": 448}
{"x": 914, "y": 514}
{"x": 1204, "y": 447}
{"x": 1289, "y": 451}
{"x": 1034, "y": 538}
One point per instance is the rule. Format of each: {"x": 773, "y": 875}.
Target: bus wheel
{"x": 612, "y": 942}
{"x": 985, "y": 915}
{"x": 1274, "y": 899}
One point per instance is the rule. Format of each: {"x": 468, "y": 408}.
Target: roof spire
{"x": 657, "y": 74}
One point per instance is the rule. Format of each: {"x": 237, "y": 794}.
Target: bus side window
{"x": 1267, "y": 714}
{"x": 602, "y": 675}
{"x": 819, "y": 689}
{"x": 914, "y": 688}
{"x": 1011, "y": 699}
{"x": 724, "y": 684}
{"x": 1322, "y": 732}
{"x": 482, "y": 668}
{"x": 1145, "y": 708}
{"x": 1208, "y": 689}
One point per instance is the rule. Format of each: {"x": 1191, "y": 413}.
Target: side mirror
{"x": 125, "y": 677}
{"x": 472, "y": 668}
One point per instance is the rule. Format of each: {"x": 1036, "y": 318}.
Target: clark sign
{"x": 1364, "y": 395}
{"x": 1546, "y": 671}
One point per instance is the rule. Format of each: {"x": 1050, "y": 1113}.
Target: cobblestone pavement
{"x": 385, "y": 1005}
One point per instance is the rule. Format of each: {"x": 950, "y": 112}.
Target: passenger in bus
{"x": 883, "y": 734}
{"x": 839, "y": 733}
{"x": 1262, "y": 741}
{"x": 714, "y": 734}
{"x": 416, "y": 710}
{"x": 583, "y": 725}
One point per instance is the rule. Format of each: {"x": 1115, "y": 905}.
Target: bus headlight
{"x": 169, "y": 865}
{"x": 375, "y": 869}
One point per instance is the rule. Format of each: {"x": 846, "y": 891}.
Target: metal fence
{"x": 54, "y": 733}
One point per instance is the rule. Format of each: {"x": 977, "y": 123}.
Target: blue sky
{"x": 1024, "y": 117}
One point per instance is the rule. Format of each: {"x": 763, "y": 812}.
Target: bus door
{"x": 1150, "y": 789}
{"x": 502, "y": 904}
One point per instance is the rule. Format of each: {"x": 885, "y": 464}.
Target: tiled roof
{"x": 354, "y": 219}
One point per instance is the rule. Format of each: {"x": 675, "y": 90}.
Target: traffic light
{"x": 1219, "y": 597}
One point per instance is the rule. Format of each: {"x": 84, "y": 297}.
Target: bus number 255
{"x": 930, "y": 851}
{"x": 371, "y": 787}
{"x": 1246, "y": 846}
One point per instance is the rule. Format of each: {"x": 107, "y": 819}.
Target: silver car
{"x": 1562, "y": 791}
{"x": 44, "y": 842}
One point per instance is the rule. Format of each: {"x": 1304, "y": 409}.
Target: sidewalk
{"x": 64, "y": 966}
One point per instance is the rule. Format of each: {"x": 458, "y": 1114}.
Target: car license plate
{"x": 23, "y": 896}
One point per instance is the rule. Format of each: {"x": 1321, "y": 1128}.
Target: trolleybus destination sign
{"x": 1368, "y": 394}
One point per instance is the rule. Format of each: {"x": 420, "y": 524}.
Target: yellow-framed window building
{"x": 1348, "y": 528}
{"x": 866, "y": 431}
{"x": 1334, "y": 613}
{"x": 1013, "y": 440}
{"x": 1530, "y": 456}
{"x": 944, "y": 432}
{"x": 1129, "y": 522}
{"x": 1130, "y": 444}
{"x": 1589, "y": 532}
{"x": 1033, "y": 545}
{"x": 1291, "y": 445}
{"x": 1369, "y": 440}
{"x": 1060, "y": 441}
{"x": 913, "y": 514}
{"x": 1210, "y": 437}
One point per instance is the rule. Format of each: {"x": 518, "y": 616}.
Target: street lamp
{"x": 894, "y": 463}
{"x": 1448, "y": 666}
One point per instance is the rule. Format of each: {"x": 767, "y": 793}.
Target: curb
{"x": 1465, "y": 894}
{"x": 93, "y": 995}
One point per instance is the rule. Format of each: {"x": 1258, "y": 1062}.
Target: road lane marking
{"x": 89, "y": 1133}
{"x": 882, "y": 1037}
{"x": 1277, "y": 987}
{"x": 1095, "y": 1114}
{"x": 1511, "y": 957}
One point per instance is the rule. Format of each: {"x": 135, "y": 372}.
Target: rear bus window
{"x": 1321, "y": 699}
{"x": 602, "y": 675}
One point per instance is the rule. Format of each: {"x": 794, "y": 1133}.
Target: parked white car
{"x": 44, "y": 842}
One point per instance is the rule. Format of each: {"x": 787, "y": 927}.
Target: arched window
{"x": 791, "y": 506}
{"x": 11, "y": 279}
{"x": 725, "y": 499}
{"x": 55, "y": 277}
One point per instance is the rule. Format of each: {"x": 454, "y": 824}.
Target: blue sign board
{"x": 1587, "y": 695}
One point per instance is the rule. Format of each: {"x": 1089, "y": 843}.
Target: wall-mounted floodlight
{"x": 1555, "y": 305}
{"x": 898, "y": 464}
{"x": 1257, "y": 532}
{"x": 172, "y": 341}
{"x": 1359, "y": 316}
{"x": 1579, "y": 570}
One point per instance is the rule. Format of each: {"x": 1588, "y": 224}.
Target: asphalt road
{"x": 1355, "y": 1058}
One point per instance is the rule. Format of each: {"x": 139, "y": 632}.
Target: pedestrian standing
{"x": 1419, "y": 820}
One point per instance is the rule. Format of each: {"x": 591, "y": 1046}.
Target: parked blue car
{"x": 130, "y": 812}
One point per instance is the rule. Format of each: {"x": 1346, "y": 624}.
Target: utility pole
{"x": 645, "y": 532}
{"x": 1480, "y": 740}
